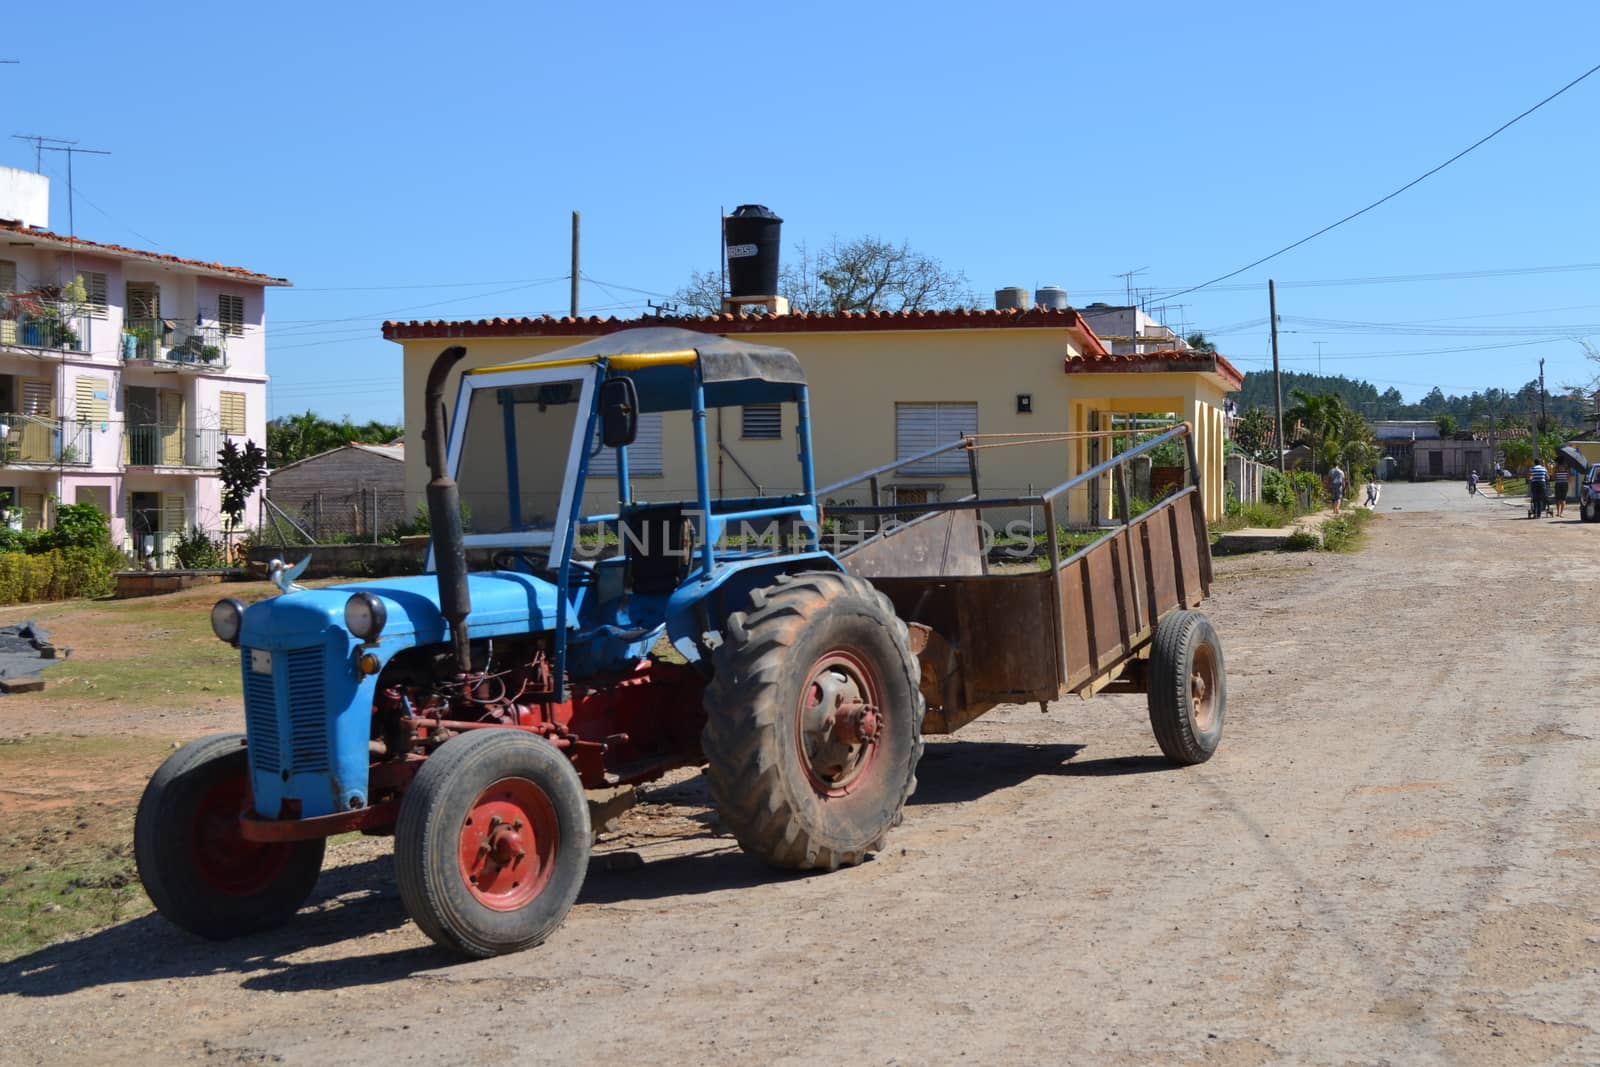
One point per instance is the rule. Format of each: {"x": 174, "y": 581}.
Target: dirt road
{"x": 1394, "y": 858}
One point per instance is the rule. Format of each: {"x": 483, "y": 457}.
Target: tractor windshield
{"x": 517, "y": 459}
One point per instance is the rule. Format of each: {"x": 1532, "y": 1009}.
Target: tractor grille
{"x": 260, "y": 717}
{"x": 308, "y": 727}
{"x": 300, "y": 671}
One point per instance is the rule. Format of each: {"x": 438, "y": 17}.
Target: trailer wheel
{"x": 1188, "y": 688}
{"x": 492, "y": 843}
{"x": 198, "y": 869}
{"x": 813, "y": 722}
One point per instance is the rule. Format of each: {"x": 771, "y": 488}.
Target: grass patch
{"x": 66, "y": 854}
{"x": 1344, "y": 532}
{"x": 1255, "y": 516}
{"x": 1514, "y": 487}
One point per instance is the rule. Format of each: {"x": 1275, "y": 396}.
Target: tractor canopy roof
{"x": 662, "y": 362}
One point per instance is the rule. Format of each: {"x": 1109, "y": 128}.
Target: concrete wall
{"x": 25, "y": 197}
{"x": 856, "y": 379}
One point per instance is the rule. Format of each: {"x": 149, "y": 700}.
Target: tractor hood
{"x": 503, "y": 602}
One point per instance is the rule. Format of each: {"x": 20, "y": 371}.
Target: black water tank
{"x": 752, "y": 234}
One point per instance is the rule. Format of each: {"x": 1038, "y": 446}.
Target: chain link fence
{"x": 326, "y": 516}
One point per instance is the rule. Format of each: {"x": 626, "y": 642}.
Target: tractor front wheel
{"x": 198, "y": 868}
{"x": 492, "y": 844}
{"x": 1188, "y": 687}
{"x": 813, "y": 722}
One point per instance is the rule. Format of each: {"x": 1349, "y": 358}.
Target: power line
{"x": 1383, "y": 200}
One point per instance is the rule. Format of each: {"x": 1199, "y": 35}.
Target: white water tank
{"x": 1011, "y": 298}
{"x": 1049, "y": 296}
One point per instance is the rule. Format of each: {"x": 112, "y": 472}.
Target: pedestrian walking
{"x": 1563, "y": 476}
{"x": 1372, "y": 496}
{"x": 1538, "y": 484}
{"x": 1336, "y": 484}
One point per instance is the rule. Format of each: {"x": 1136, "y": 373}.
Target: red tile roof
{"x": 799, "y": 322}
{"x": 45, "y": 237}
{"x": 1175, "y": 359}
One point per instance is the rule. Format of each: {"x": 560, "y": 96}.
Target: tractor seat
{"x": 657, "y": 551}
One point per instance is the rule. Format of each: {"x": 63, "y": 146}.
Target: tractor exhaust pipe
{"x": 444, "y": 513}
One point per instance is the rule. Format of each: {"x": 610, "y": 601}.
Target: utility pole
{"x": 574, "y": 264}
{"x": 1543, "y": 416}
{"x": 1277, "y": 380}
{"x": 1319, "y": 357}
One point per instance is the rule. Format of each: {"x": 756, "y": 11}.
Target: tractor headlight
{"x": 226, "y": 616}
{"x": 364, "y": 616}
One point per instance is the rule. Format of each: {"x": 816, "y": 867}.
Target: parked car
{"x": 1589, "y": 494}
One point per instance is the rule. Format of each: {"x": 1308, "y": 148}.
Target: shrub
{"x": 58, "y": 574}
{"x": 1276, "y": 488}
{"x": 1302, "y": 540}
{"x": 197, "y": 552}
{"x": 1307, "y": 486}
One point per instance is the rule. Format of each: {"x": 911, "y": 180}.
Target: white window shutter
{"x": 920, "y": 427}
{"x": 644, "y": 455}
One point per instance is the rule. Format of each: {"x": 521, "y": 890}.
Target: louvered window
{"x": 230, "y": 313}
{"x": 38, "y": 397}
{"x": 8, "y": 276}
{"x": 94, "y": 288}
{"x": 173, "y": 512}
{"x": 644, "y": 455}
{"x": 94, "y": 398}
{"x": 230, "y": 411}
{"x": 761, "y": 422}
{"x": 920, "y": 427}
{"x": 34, "y": 507}
{"x": 144, "y": 302}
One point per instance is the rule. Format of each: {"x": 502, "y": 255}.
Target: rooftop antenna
{"x": 1127, "y": 277}
{"x": 661, "y": 309}
{"x": 71, "y": 149}
{"x": 38, "y": 147}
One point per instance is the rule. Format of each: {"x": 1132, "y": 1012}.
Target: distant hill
{"x": 1364, "y": 397}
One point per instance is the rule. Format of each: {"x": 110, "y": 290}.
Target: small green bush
{"x": 197, "y": 552}
{"x": 1276, "y": 488}
{"x": 1308, "y": 486}
{"x": 1302, "y": 541}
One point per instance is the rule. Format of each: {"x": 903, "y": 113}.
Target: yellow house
{"x": 883, "y": 386}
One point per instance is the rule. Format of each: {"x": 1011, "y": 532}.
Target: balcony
{"x": 172, "y": 345}
{"x": 29, "y": 322}
{"x": 32, "y": 439}
{"x": 157, "y": 445}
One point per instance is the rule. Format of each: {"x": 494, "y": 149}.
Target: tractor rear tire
{"x": 492, "y": 844}
{"x": 197, "y": 867}
{"x": 1188, "y": 688}
{"x": 813, "y": 722}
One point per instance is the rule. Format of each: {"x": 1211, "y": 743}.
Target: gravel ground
{"x": 1392, "y": 859}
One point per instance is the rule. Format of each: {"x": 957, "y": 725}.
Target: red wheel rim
{"x": 1203, "y": 688}
{"x": 509, "y": 840}
{"x": 223, "y": 858}
{"x": 839, "y": 723}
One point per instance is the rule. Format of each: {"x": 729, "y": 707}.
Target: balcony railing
{"x": 157, "y": 445}
{"x": 35, "y": 439}
{"x": 33, "y": 323}
{"x": 199, "y": 347}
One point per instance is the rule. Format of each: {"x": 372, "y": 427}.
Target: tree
{"x": 241, "y": 471}
{"x": 1253, "y": 434}
{"x": 1447, "y": 424}
{"x": 1199, "y": 343}
{"x": 294, "y": 437}
{"x": 866, "y": 274}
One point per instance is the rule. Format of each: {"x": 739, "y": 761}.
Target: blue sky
{"x": 407, "y": 160}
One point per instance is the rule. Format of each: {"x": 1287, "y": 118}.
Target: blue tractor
{"x": 465, "y": 711}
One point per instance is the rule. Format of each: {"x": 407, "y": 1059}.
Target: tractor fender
{"x": 701, "y": 606}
